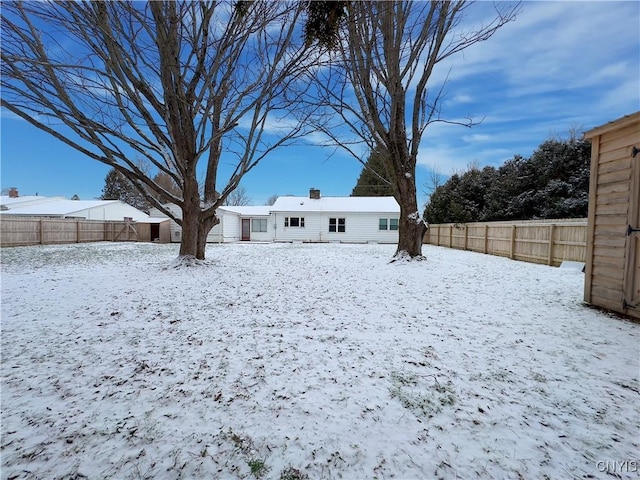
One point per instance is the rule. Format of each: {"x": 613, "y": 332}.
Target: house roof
{"x": 249, "y": 211}
{"x": 60, "y": 207}
{"x": 336, "y": 204}
{"x": 9, "y": 202}
{"x": 306, "y": 204}
{"x": 57, "y": 207}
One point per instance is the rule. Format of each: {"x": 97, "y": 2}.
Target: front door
{"x": 632, "y": 266}
{"x": 246, "y": 229}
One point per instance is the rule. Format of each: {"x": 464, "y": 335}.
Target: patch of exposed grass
{"x": 422, "y": 398}
{"x": 291, "y": 473}
{"x": 258, "y": 467}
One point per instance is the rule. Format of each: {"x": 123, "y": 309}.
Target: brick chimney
{"x": 314, "y": 194}
{"x": 13, "y": 192}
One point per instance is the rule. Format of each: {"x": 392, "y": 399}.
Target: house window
{"x": 259, "y": 225}
{"x": 337, "y": 224}
{"x": 294, "y": 222}
{"x": 388, "y": 224}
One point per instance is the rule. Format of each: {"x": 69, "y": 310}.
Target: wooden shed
{"x": 612, "y": 270}
{"x": 154, "y": 230}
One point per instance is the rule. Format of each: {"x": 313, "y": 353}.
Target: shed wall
{"x": 612, "y": 194}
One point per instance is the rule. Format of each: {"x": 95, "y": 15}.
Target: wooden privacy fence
{"x": 18, "y": 231}
{"x": 537, "y": 241}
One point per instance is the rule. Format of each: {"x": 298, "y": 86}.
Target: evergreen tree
{"x": 374, "y": 178}
{"x": 553, "y": 183}
{"x": 117, "y": 187}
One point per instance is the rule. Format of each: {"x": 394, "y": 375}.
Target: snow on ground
{"x": 294, "y": 361}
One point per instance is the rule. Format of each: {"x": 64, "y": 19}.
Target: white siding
{"x": 359, "y": 228}
{"x": 231, "y": 227}
{"x": 309, "y": 233}
{"x": 214, "y": 235}
{"x": 262, "y": 236}
{"x": 113, "y": 211}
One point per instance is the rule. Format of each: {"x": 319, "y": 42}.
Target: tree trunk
{"x": 410, "y": 225}
{"x": 189, "y": 240}
{"x": 203, "y": 230}
{"x": 190, "y": 220}
{"x": 411, "y": 228}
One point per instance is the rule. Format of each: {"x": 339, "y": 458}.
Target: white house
{"x": 60, "y": 207}
{"x": 335, "y": 219}
{"x": 305, "y": 219}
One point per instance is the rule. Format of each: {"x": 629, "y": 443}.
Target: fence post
{"x": 77, "y": 231}
{"x": 512, "y": 253}
{"x": 486, "y": 237}
{"x": 550, "y": 259}
{"x": 451, "y": 236}
{"x": 41, "y": 231}
{"x": 466, "y": 236}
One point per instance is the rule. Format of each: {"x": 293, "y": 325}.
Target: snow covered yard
{"x": 309, "y": 361}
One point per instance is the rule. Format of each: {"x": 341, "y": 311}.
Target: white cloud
{"x": 461, "y": 98}
{"x": 6, "y": 114}
{"x": 476, "y": 138}
{"x": 554, "y": 45}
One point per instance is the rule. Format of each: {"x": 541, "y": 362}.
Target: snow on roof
{"x": 8, "y": 201}
{"x": 62, "y": 207}
{"x": 249, "y": 210}
{"x": 154, "y": 220}
{"x": 58, "y": 207}
{"x": 336, "y": 204}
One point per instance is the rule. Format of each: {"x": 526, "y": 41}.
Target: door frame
{"x": 245, "y": 235}
{"x": 632, "y": 262}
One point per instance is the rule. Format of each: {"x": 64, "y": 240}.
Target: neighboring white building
{"x": 60, "y": 207}
{"x": 236, "y": 224}
{"x": 305, "y": 219}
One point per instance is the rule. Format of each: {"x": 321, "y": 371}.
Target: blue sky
{"x": 560, "y": 66}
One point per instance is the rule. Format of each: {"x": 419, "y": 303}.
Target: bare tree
{"x": 271, "y": 200}
{"x": 378, "y": 86}
{"x": 168, "y": 184}
{"x": 238, "y": 198}
{"x": 433, "y": 181}
{"x": 184, "y": 86}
